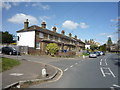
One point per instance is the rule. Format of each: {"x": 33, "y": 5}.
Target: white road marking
{"x": 116, "y": 85}
{"x": 71, "y": 66}
{"x": 16, "y": 74}
{"x": 106, "y": 62}
{"x": 102, "y": 72}
{"x": 65, "y": 69}
{"x": 111, "y": 72}
{"x": 101, "y": 62}
{"x": 76, "y": 63}
{"x": 112, "y": 88}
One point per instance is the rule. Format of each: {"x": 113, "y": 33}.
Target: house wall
{"x": 26, "y": 39}
{"x": 87, "y": 46}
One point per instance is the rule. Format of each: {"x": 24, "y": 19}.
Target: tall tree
{"x": 109, "y": 42}
{"x": 7, "y": 38}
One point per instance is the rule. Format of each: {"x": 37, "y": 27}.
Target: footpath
{"x": 26, "y": 72}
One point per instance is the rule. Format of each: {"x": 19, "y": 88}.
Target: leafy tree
{"x": 7, "y": 38}
{"x": 93, "y": 47}
{"x": 52, "y": 48}
{"x": 109, "y": 42}
{"x": 85, "y": 41}
{"x": 103, "y": 48}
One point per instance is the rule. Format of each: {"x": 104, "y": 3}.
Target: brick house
{"x": 38, "y": 37}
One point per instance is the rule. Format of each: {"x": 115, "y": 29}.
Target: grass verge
{"x": 7, "y": 63}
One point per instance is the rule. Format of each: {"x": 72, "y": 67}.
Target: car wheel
{"x": 10, "y": 53}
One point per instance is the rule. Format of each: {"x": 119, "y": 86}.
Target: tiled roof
{"x": 37, "y": 28}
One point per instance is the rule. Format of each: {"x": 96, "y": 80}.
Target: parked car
{"x": 101, "y": 53}
{"x": 93, "y": 55}
{"x": 10, "y": 51}
{"x": 97, "y": 53}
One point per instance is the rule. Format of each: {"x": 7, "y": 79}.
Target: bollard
{"x": 44, "y": 72}
{"x": 83, "y": 57}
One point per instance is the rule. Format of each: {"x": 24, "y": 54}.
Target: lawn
{"x": 7, "y": 63}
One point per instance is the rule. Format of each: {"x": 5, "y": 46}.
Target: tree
{"x": 103, "y": 48}
{"x": 93, "y": 47}
{"x": 7, "y": 38}
{"x": 52, "y": 48}
{"x": 109, "y": 43}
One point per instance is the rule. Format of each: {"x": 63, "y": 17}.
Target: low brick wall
{"x": 34, "y": 51}
{"x": 66, "y": 54}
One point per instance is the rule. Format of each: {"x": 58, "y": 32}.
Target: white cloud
{"x": 6, "y": 5}
{"x": 68, "y": 24}
{"x": 102, "y": 34}
{"x": 83, "y": 25}
{"x": 20, "y": 18}
{"x": 40, "y": 5}
{"x": 110, "y": 36}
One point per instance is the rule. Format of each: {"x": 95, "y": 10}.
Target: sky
{"x": 87, "y": 20}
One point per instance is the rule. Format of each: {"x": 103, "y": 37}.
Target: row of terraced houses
{"x": 38, "y": 37}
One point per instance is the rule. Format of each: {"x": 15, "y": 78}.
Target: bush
{"x": 85, "y": 54}
{"x": 52, "y": 48}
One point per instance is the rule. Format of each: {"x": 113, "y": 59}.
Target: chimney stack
{"x": 43, "y": 25}
{"x": 26, "y": 24}
{"x": 54, "y": 29}
{"x": 75, "y": 36}
{"x": 63, "y": 32}
{"x": 70, "y": 34}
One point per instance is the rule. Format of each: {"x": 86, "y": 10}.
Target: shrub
{"x": 85, "y": 54}
{"x": 52, "y": 48}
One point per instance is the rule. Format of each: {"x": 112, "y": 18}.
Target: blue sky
{"x": 87, "y": 20}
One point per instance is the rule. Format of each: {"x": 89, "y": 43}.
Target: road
{"x": 101, "y": 72}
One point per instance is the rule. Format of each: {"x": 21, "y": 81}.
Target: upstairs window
{"x": 59, "y": 39}
{"x": 48, "y": 36}
{"x": 53, "y": 37}
{"x": 41, "y": 35}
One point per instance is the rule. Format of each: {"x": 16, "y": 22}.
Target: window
{"x": 41, "y": 35}
{"x": 37, "y": 45}
{"x": 48, "y": 36}
{"x": 59, "y": 39}
{"x": 53, "y": 37}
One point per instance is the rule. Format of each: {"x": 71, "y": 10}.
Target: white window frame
{"x": 59, "y": 39}
{"x": 48, "y": 37}
{"x": 41, "y": 35}
{"x": 53, "y": 38}
{"x": 38, "y": 45}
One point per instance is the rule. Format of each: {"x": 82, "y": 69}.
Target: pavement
{"x": 27, "y": 70}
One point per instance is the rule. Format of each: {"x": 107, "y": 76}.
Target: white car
{"x": 93, "y": 55}
{"x": 101, "y": 53}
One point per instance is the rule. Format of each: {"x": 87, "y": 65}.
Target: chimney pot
{"x": 75, "y": 36}
{"x": 70, "y": 34}
{"x": 54, "y": 29}
{"x": 26, "y": 24}
{"x": 63, "y": 32}
{"x": 43, "y": 25}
